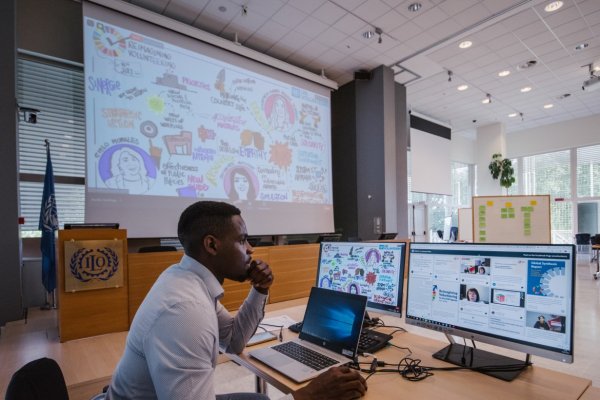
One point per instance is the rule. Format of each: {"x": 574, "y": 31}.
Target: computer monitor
{"x": 372, "y": 269}
{"x": 388, "y": 236}
{"x": 516, "y": 296}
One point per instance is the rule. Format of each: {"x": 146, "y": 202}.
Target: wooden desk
{"x": 533, "y": 383}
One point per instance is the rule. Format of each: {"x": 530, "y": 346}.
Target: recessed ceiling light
{"x": 504, "y": 73}
{"x": 581, "y": 46}
{"x": 466, "y": 44}
{"x": 555, "y": 5}
{"x": 526, "y": 89}
{"x": 463, "y": 87}
{"x": 414, "y": 7}
{"x": 486, "y": 101}
{"x": 368, "y": 34}
{"x": 548, "y": 105}
{"x": 512, "y": 115}
{"x": 222, "y": 8}
{"x": 527, "y": 64}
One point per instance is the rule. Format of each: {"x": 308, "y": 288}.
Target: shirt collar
{"x": 212, "y": 284}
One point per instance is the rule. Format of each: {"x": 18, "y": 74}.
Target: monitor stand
{"x": 469, "y": 357}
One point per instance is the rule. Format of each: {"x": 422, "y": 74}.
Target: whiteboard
{"x": 511, "y": 219}
{"x": 465, "y": 224}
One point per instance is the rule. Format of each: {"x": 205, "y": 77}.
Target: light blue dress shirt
{"x": 175, "y": 337}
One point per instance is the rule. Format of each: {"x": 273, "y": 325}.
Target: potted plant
{"x": 502, "y": 169}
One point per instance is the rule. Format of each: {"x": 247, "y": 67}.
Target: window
{"x": 58, "y": 91}
{"x": 550, "y": 173}
{"x": 588, "y": 171}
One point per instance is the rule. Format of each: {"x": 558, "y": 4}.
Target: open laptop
{"x": 329, "y": 336}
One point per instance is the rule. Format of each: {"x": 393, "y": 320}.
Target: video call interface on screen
{"x": 519, "y": 293}
{"x": 375, "y": 270}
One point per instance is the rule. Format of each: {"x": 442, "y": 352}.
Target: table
{"x": 533, "y": 383}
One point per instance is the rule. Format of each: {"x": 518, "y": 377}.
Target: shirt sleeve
{"x": 234, "y": 332}
{"x": 180, "y": 349}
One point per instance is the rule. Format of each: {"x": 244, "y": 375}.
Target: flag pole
{"x": 48, "y": 225}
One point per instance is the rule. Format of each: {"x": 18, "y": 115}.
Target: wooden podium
{"x": 83, "y": 309}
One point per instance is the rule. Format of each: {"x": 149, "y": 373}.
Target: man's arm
{"x": 180, "y": 350}
{"x": 234, "y": 332}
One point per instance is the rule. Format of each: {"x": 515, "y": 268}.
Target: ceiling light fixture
{"x": 463, "y": 87}
{"x": 488, "y": 99}
{"x": 414, "y": 7}
{"x": 222, "y": 8}
{"x": 526, "y": 89}
{"x": 504, "y": 73}
{"x": 512, "y": 115}
{"x": 546, "y": 106}
{"x": 466, "y": 44}
{"x": 368, "y": 34}
{"x": 379, "y": 32}
{"x": 555, "y": 5}
{"x": 581, "y": 46}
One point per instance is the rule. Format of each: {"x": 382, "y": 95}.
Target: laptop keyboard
{"x": 305, "y": 355}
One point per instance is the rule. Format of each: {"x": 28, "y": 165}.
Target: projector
{"x": 591, "y": 84}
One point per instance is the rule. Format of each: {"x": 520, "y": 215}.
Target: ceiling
{"x": 423, "y": 46}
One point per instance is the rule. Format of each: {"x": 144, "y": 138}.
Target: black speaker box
{"x": 362, "y": 75}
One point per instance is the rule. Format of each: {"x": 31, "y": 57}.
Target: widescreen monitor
{"x": 517, "y": 296}
{"x": 372, "y": 269}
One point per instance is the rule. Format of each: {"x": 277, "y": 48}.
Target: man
{"x": 174, "y": 340}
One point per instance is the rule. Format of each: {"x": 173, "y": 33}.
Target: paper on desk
{"x": 277, "y": 322}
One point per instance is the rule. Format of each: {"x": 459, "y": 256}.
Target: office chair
{"x": 40, "y": 379}
{"x": 155, "y": 249}
{"x": 36, "y": 380}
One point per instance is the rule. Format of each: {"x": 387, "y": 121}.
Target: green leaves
{"x": 502, "y": 169}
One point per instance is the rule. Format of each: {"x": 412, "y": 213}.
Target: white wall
{"x": 462, "y": 149}
{"x": 562, "y": 135}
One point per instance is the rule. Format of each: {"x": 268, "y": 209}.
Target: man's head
{"x": 215, "y": 234}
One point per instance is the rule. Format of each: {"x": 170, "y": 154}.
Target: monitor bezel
{"x": 372, "y": 306}
{"x": 527, "y": 347}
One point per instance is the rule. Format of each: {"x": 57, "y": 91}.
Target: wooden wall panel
{"x": 144, "y": 269}
{"x": 93, "y": 312}
{"x": 295, "y": 270}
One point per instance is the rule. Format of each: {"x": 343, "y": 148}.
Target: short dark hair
{"x": 203, "y": 218}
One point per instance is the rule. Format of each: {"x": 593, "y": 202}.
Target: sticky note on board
{"x": 533, "y": 202}
{"x": 508, "y": 204}
{"x": 490, "y": 203}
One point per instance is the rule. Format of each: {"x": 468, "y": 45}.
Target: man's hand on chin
{"x": 260, "y": 276}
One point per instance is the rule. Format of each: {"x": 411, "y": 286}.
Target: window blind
{"x": 58, "y": 92}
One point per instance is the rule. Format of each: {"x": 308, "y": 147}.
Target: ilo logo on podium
{"x": 93, "y": 264}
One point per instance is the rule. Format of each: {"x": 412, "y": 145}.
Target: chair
{"x": 584, "y": 243}
{"x": 156, "y": 249}
{"x": 36, "y": 380}
{"x": 41, "y": 379}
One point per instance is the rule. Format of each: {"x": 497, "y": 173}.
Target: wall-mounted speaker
{"x": 362, "y": 75}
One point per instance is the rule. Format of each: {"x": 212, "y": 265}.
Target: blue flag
{"x": 48, "y": 224}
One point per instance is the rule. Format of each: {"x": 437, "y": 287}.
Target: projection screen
{"x": 172, "y": 120}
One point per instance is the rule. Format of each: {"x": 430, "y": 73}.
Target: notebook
{"x": 329, "y": 336}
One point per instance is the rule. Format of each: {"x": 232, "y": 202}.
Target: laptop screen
{"x": 333, "y": 320}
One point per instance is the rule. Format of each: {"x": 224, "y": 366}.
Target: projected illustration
{"x": 163, "y": 120}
